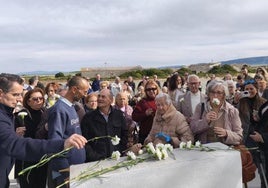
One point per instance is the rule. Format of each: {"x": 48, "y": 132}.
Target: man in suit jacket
{"x": 188, "y": 102}
{"x": 13, "y": 146}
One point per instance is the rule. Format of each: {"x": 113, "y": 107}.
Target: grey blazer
{"x": 185, "y": 104}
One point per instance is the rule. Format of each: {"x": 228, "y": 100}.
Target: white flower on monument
{"x": 131, "y": 155}
{"x": 116, "y": 155}
{"x": 189, "y": 144}
{"x": 182, "y": 145}
{"x": 198, "y": 144}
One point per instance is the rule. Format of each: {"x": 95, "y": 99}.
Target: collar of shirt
{"x": 106, "y": 117}
{"x": 195, "y": 94}
{"x": 66, "y": 101}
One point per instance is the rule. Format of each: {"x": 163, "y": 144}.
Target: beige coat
{"x": 232, "y": 124}
{"x": 172, "y": 123}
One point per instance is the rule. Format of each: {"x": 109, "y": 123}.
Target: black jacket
{"x": 94, "y": 125}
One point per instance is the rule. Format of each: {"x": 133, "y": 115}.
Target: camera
{"x": 244, "y": 94}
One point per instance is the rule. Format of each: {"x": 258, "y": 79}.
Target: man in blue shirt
{"x": 63, "y": 121}
{"x": 13, "y": 146}
{"x": 96, "y": 83}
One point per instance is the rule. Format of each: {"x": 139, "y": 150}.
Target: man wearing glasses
{"x": 62, "y": 122}
{"x": 13, "y": 146}
{"x": 188, "y": 102}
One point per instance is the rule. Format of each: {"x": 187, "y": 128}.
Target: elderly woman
{"x": 91, "y": 102}
{"x": 121, "y": 103}
{"x": 169, "y": 125}
{"x": 144, "y": 110}
{"x": 231, "y": 91}
{"x": 216, "y": 120}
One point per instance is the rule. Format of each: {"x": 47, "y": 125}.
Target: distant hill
{"x": 45, "y": 73}
{"x": 253, "y": 61}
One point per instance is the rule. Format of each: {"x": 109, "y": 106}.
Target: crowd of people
{"x": 56, "y": 116}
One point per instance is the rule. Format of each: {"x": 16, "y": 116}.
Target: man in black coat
{"x": 104, "y": 121}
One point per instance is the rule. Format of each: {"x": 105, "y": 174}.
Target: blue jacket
{"x": 63, "y": 121}
{"x": 14, "y": 147}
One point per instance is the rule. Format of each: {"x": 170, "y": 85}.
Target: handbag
{"x": 248, "y": 166}
{"x": 133, "y": 134}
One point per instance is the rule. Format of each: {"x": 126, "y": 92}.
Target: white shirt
{"x": 195, "y": 100}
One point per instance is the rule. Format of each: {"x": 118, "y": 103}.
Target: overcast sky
{"x": 65, "y": 35}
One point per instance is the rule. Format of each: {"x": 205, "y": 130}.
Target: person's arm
{"x": 235, "y": 132}
{"x": 139, "y": 114}
{"x": 198, "y": 125}
{"x": 56, "y": 128}
{"x": 183, "y": 131}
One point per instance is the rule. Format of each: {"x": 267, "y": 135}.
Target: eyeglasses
{"x": 151, "y": 89}
{"x": 217, "y": 92}
{"x": 194, "y": 83}
{"x": 35, "y": 99}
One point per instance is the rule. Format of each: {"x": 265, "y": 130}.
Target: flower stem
{"x": 46, "y": 159}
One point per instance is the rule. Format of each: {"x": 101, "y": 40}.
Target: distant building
{"x": 107, "y": 72}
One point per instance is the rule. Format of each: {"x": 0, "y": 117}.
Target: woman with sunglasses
{"x": 33, "y": 103}
{"x": 145, "y": 109}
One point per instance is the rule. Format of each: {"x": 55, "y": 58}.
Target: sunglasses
{"x": 37, "y": 98}
{"x": 151, "y": 89}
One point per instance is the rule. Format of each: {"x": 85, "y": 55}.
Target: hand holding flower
{"x": 211, "y": 116}
{"x": 22, "y": 116}
{"x": 20, "y": 131}
{"x": 76, "y": 141}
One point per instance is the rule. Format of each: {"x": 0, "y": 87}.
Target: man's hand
{"x": 20, "y": 131}
{"x": 76, "y": 141}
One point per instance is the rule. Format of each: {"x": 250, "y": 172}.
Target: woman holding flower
{"x": 29, "y": 118}
{"x": 216, "y": 120}
{"x": 169, "y": 125}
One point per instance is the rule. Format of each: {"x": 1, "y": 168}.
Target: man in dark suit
{"x": 13, "y": 146}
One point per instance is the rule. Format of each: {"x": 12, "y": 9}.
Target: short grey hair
{"x": 193, "y": 76}
{"x": 215, "y": 84}
{"x": 165, "y": 96}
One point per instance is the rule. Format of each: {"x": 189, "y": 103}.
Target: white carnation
{"x": 116, "y": 155}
